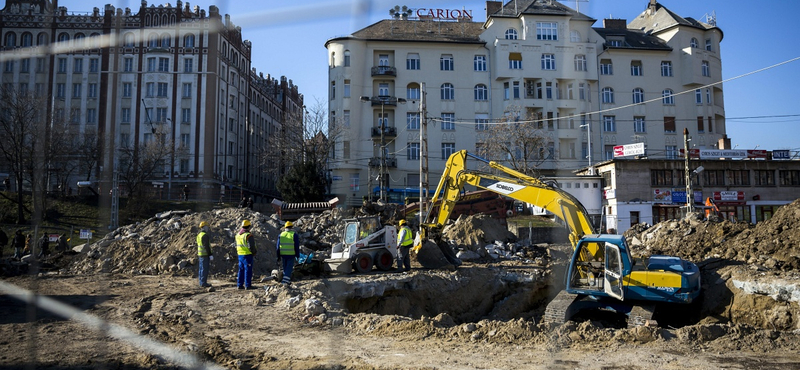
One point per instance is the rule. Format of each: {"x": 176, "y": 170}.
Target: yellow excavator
{"x": 601, "y": 273}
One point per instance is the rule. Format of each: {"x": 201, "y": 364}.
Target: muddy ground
{"x": 484, "y": 315}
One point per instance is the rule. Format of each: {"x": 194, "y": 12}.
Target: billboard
{"x": 628, "y": 150}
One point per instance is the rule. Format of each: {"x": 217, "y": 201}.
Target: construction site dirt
{"x": 132, "y": 301}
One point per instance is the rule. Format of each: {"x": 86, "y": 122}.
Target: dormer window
{"x": 511, "y": 34}
{"x": 615, "y": 42}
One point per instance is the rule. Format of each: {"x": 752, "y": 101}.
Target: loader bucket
{"x": 436, "y": 255}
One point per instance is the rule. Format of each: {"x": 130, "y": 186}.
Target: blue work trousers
{"x": 202, "y": 270}
{"x": 245, "y": 277}
{"x": 288, "y": 265}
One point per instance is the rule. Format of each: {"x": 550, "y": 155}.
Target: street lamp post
{"x": 589, "y": 145}
{"x": 382, "y": 178}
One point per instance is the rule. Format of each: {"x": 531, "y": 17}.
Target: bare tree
{"x": 518, "y": 142}
{"x": 138, "y": 163}
{"x": 87, "y": 148}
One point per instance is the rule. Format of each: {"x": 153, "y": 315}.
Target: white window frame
{"x": 448, "y": 121}
{"x": 609, "y": 124}
{"x": 447, "y": 150}
{"x": 479, "y": 63}
{"x": 607, "y": 95}
{"x": 638, "y": 95}
{"x": 446, "y": 62}
{"x": 412, "y": 151}
{"x": 412, "y": 62}
{"x": 705, "y": 68}
{"x": 639, "y": 125}
{"x": 447, "y": 91}
{"x": 548, "y": 62}
{"x": 580, "y": 63}
{"x": 481, "y": 92}
{"x": 511, "y": 34}
{"x": 606, "y": 68}
{"x": 412, "y": 120}
{"x": 547, "y": 31}
{"x": 668, "y": 97}
{"x": 636, "y": 69}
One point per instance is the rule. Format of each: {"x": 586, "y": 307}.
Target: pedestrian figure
{"x": 243, "y": 203}
{"x": 19, "y": 244}
{"x": 288, "y": 250}
{"x": 246, "y": 249}
{"x": 44, "y": 246}
{"x": 185, "y": 192}
{"x": 250, "y": 203}
{"x": 404, "y": 243}
{"x": 62, "y": 243}
{"x": 204, "y": 255}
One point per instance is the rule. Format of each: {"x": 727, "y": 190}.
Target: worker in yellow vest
{"x": 204, "y": 255}
{"x": 288, "y": 249}
{"x": 404, "y": 243}
{"x": 246, "y": 249}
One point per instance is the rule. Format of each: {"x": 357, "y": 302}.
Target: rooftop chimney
{"x": 493, "y": 7}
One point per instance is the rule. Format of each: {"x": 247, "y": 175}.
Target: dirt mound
{"x": 475, "y": 231}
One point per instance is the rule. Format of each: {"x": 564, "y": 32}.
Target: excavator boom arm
{"x": 518, "y": 186}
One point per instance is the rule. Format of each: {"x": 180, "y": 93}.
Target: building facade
{"x": 128, "y": 74}
{"x": 587, "y": 88}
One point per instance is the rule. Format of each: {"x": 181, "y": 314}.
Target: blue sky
{"x": 289, "y": 37}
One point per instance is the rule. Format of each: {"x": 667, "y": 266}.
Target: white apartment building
{"x": 123, "y": 73}
{"x": 590, "y": 88}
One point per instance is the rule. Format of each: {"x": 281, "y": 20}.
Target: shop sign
{"x": 722, "y": 153}
{"x": 448, "y": 14}
{"x": 728, "y": 196}
{"x": 679, "y": 196}
{"x": 757, "y": 154}
{"x": 628, "y": 150}
{"x": 610, "y": 193}
{"x": 662, "y": 195}
{"x": 780, "y": 154}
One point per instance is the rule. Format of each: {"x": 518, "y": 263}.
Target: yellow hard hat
{"x": 402, "y": 222}
{"x": 288, "y": 224}
{"x": 203, "y": 224}
{"x": 246, "y": 223}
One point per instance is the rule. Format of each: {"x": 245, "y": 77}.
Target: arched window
{"x": 638, "y": 95}
{"x": 27, "y": 39}
{"x": 78, "y": 39}
{"x": 668, "y": 97}
{"x": 41, "y": 39}
{"x": 152, "y": 41}
{"x": 481, "y": 92}
{"x": 224, "y": 49}
{"x": 574, "y": 36}
{"x": 63, "y": 37}
{"x": 188, "y": 41}
{"x": 11, "y": 39}
{"x": 155, "y": 21}
{"x": 130, "y": 40}
{"x": 448, "y": 91}
{"x": 694, "y": 44}
{"x": 166, "y": 40}
{"x": 347, "y": 58}
{"x": 511, "y": 34}
{"x": 608, "y": 95}
{"x": 412, "y": 91}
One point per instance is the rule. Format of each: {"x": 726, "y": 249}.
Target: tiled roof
{"x": 421, "y": 30}
{"x": 634, "y": 39}
{"x": 661, "y": 19}
{"x": 515, "y": 8}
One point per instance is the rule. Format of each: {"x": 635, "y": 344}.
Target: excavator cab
{"x": 612, "y": 281}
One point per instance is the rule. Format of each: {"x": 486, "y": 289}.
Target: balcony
{"x": 388, "y": 132}
{"x": 382, "y": 100}
{"x": 384, "y": 71}
{"x": 375, "y": 162}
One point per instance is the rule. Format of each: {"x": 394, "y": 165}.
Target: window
{"x": 412, "y": 151}
{"x": 639, "y": 126}
{"x": 188, "y": 65}
{"x": 347, "y": 58}
{"x": 667, "y": 97}
{"x": 150, "y": 89}
{"x": 446, "y": 62}
{"x": 412, "y": 121}
{"x": 27, "y": 39}
{"x": 94, "y": 65}
{"x": 479, "y": 63}
{"x": 582, "y": 91}
{"x": 693, "y": 43}
{"x": 609, "y": 123}
{"x": 412, "y": 61}
{"x": 546, "y": 31}
{"x": 481, "y": 122}
{"x": 638, "y": 96}
{"x": 738, "y": 177}
{"x": 714, "y": 177}
{"x": 580, "y": 63}
{"x": 481, "y": 92}
{"x": 574, "y": 36}
{"x": 514, "y": 61}
{"x": 333, "y": 90}
{"x": 91, "y": 115}
{"x": 383, "y": 60}
{"x": 124, "y": 140}
{"x": 188, "y": 41}
{"x": 412, "y": 91}
{"x": 77, "y": 66}
{"x": 76, "y": 90}
{"x": 184, "y": 163}
{"x": 671, "y": 151}
{"x": 606, "y": 68}
{"x": 75, "y": 116}
{"x": 549, "y": 62}
{"x": 127, "y": 89}
{"x": 448, "y": 149}
{"x": 11, "y": 39}
{"x": 765, "y": 177}
{"x": 669, "y": 125}
{"x": 25, "y": 65}
{"x": 548, "y": 88}
{"x": 162, "y": 89}
{"x": 705, "y": 69}
{"x": 448, "y": 91}
{"x": 346, "y": 92}
{"x": 161, "y": 114}
{"x": 661, "y": 178}
{"x": 127, "y": 65}
{"x": 186, "y": 115}
{"x": 666, "y": 69}
{"x": 346, "y": 118}
{"x": 615, "y": 43}
{"x": 789, "y": 177}
{"x": 608, "y": 95}
{"x": 151, "y": 64}
{"x": 62, "y": 65}
{"x": 163, "y": 64}
{"x": 506, "y": 91}
{"x": 9, "y": 66}
{"x": 515, "y": 89}
{"x": 91, "y": 92}
{"x": 186, "y": 91}
{"x": 708, "y": 44}
{"x": 511, "y": 34}
{"x": 708, "y": 96}
{"x": 383, "y": 89}
{"x": 710, "y": 125}
{"x": 448, "y": 121}
{"x": 698, "y": 96}
{"x": 636, "y": 68}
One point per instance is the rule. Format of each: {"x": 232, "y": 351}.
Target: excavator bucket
{"x": 434, "y": 255}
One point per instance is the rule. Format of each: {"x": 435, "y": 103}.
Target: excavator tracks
{"x": 557, "y": 311}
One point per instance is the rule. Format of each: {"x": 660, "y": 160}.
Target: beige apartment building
{"x": 590, "y": 88}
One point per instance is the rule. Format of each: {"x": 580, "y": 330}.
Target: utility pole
{"x": 689, "y": 195}
{"x": 588, "y": 126}
{"x": 423, "y": 156}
